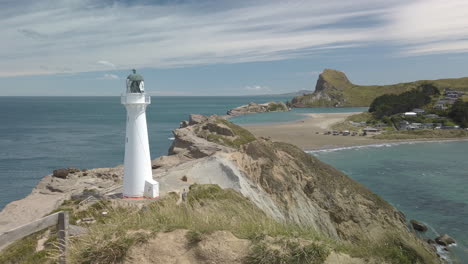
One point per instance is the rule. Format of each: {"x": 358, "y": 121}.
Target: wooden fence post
{"x": 62, "y": 233}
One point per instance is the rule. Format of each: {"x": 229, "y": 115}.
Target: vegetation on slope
{"x": 334, "y": 89}
{"x": 208, "y": 209}
{"x": 24, "y": 251}
{"x": 390, "y": 104}
{"x": 459, "y": 113}
{"x": 241, "y": 135}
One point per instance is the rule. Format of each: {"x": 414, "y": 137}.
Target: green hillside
{"x": 334, "y": 89}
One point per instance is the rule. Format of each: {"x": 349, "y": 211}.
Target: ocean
{"x": 427, "y": 181}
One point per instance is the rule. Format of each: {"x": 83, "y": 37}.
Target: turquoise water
{"x": 427, "y": 181}
{"x": 293, "y": 115}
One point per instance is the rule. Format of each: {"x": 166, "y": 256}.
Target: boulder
{"x": 197, "y": 119}
{"x": 183, "y": 124}
{"x": 73, "y": 170}
{"x": 418, "y": 226}
{"x": 61, "y": 173}
{"x": 444, "y": 240}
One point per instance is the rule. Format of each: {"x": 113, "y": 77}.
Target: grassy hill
{"x": 334, "y": 89}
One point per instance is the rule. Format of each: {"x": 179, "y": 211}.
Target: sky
{"x": 208, "y": 47}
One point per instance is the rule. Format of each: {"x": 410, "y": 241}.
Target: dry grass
{"x": 210, "y": 208}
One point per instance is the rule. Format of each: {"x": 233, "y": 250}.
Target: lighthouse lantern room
{"x": 138, "y": 180}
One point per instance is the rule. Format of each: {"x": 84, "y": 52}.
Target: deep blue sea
{"x": 427, "y": 181}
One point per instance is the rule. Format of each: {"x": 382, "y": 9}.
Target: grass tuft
{"x": 287, "y": 251}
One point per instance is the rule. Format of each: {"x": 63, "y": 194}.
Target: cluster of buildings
{"x": 405, "y": 125}
{"x": 450, "y": 96}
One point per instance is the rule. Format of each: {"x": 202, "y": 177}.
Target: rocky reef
{"x": 258, "y": 108}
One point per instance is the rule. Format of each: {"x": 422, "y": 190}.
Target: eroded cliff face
{"x": 329, "y": 91}
{"x": 282, "y": 180}
{"x": 310, "y": 192}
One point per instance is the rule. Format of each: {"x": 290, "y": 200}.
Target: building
{"x": 440, "y": 106}
{"x": 404, "y": 125}
{"x": 432, "y": 116}
{"x": 418, "y": 111}
{"x": 410, "y": 114}
{"x": 371, "y": 130}
{"x": 428, "y": 125}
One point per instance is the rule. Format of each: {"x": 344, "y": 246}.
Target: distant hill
{"x": 334, "y": 89}
{"x": 298, "y": 93}
{"x": 291, "y": 94}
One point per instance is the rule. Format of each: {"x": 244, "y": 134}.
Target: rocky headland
{"x": 258, "y": 108}
{"x": 249, "y": 200}
{"x": 333, "y": 89}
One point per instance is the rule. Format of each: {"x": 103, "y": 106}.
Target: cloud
{"x": 106, "y": 63}
{"x": 175, "y": 34}
{"x": 257, "y": 88}
{"x": 143, "y": 34}
{"x": 109, "y": 76}
{"x": 429, "y": 27}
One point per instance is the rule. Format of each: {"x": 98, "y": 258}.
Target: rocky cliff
{"x": 333, "y": 89}
{"x": 283, "y": 180}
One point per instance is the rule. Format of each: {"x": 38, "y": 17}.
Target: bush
{"x": 459, "y": 113}
{"x": 287, "y": 251}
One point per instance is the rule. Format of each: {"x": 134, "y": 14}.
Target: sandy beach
{"x": 303, "y": 133}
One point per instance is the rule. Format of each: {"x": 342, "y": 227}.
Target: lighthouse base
{"x": 151, "y": 191}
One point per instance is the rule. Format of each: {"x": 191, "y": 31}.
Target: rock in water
{"x": 445, "y": 240}
{"x": 61, "y": 173}
{"x": 258, "y": 108}
{"x": 418, "y": 226}
{"x": 183, "y": 124}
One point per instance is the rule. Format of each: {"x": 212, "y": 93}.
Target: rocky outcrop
{"x": 191, "y": 142}
{"x": 329, "y": 91}
{"x": 285, "y": 182}
{"x": 418, "y": 226}
{"x": 258, "y": 108}
{"x": 60, "y": 173}
{"x": 445, "y": 240}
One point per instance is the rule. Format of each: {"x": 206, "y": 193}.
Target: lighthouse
{"x": 138, "y": 180}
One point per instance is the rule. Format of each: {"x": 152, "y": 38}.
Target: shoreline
{"x": 387, "y": 144}
{"x": 308, "y": 134}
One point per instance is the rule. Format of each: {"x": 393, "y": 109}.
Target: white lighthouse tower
{"x": 138, "y": 180}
